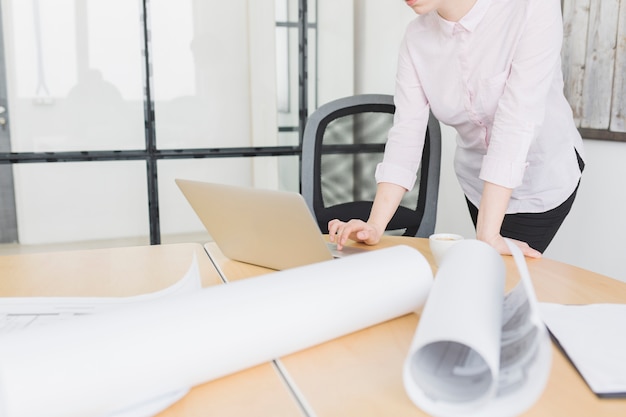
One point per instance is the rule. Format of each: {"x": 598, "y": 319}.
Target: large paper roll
{"x": 478, "y": 351}
{"x": 95, "y": 365}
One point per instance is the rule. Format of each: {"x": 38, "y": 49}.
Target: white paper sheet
{"x": 17, "y": 313}
{"x": 594, "y": 338}
{"x": 20, "y": 312}
{"x": 100, "y": 363}
{"x": 477, "y": 351}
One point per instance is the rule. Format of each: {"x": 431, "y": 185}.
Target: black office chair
{"x": 343, "y": 142}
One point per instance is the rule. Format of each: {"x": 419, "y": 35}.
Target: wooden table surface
{"x": 357, "y": 374}
{"x": 361, "y": 373}
{"x": 120, "y": 272}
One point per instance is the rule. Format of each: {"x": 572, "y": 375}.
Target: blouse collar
{"x": 469, "y": 22}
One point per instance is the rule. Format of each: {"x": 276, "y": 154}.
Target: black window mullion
{"x": 150, "y": 131}
{"x": 303, "y": 101}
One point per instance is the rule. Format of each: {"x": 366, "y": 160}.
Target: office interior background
{"x": 104, "y": 103}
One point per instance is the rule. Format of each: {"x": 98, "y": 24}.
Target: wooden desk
{"x": 361, "y": 373}
{"x": 119, "y": 272}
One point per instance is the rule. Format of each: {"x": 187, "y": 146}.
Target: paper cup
{"x": 440, "y": 243}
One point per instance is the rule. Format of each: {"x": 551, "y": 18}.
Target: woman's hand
{"x": 498, "y": 243}
{"x": 388, "y": 197}
{"x": 357, "y": 230}
{"x": 493, "y": 204}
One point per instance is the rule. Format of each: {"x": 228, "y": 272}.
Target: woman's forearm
{"x": 493, "y": 205}
{"x": 386, "y": 202}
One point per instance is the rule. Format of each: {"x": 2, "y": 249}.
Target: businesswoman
{"x": 492, "y": 70}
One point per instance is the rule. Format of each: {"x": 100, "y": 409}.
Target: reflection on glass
{"x": 283, "y": 78}
{"x": 201, "y": 73}
{"x": 287, "y": 62}
{"x": 74, "y": 83}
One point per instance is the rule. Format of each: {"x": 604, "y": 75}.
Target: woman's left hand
{"x": 493, "y": 204}
{"x": 500, "y": 245}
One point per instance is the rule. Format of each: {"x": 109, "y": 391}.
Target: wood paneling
{"x": 594, "y": 66}
{"x": 618, "y": 114}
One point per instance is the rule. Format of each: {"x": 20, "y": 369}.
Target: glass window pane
{"x": 177, "y": 216}
{"x": 312, "y": 70}
{"x": 281, "y": 8}
{"x": 287, "y": 57}
{"x": 73, "y": 83}
{"x": 289, "y": 117}
{"x": 288, "y": 138}
{"x": 289, "y": 173}
{"x": 81, "y": 201}
{"x": 201, "y": 73}
{"x": 283, "y": 77}
{"x": 312, "y": 10}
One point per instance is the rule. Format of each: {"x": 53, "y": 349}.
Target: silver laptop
{"x": 273, "y": 229}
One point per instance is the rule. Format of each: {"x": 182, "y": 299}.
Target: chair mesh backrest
{"x": 350, "y": 177}
{"x": 343, "y": 141}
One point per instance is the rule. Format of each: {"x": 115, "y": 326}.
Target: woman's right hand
{"x": 357, "y": 230}
{"x": 388, "y": 197}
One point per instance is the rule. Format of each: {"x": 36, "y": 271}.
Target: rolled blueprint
{"x": 478, "y": 351}
{"x": 95, "y": 365}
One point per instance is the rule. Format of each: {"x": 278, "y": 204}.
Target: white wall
{"x": 592, "y": 235}
{"x": 335, "y": 42}
{"x": 379, "y": 27}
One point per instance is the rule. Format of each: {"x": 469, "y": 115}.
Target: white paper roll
{"x": 478, "y": 352}
{"x": 94, "y": 365}
{"x": 453, "y": 322}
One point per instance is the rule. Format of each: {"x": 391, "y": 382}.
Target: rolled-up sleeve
{"x": 405, "y": 142}
{"x": 521, "y": 108}
{"x": 502, "y": 172}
